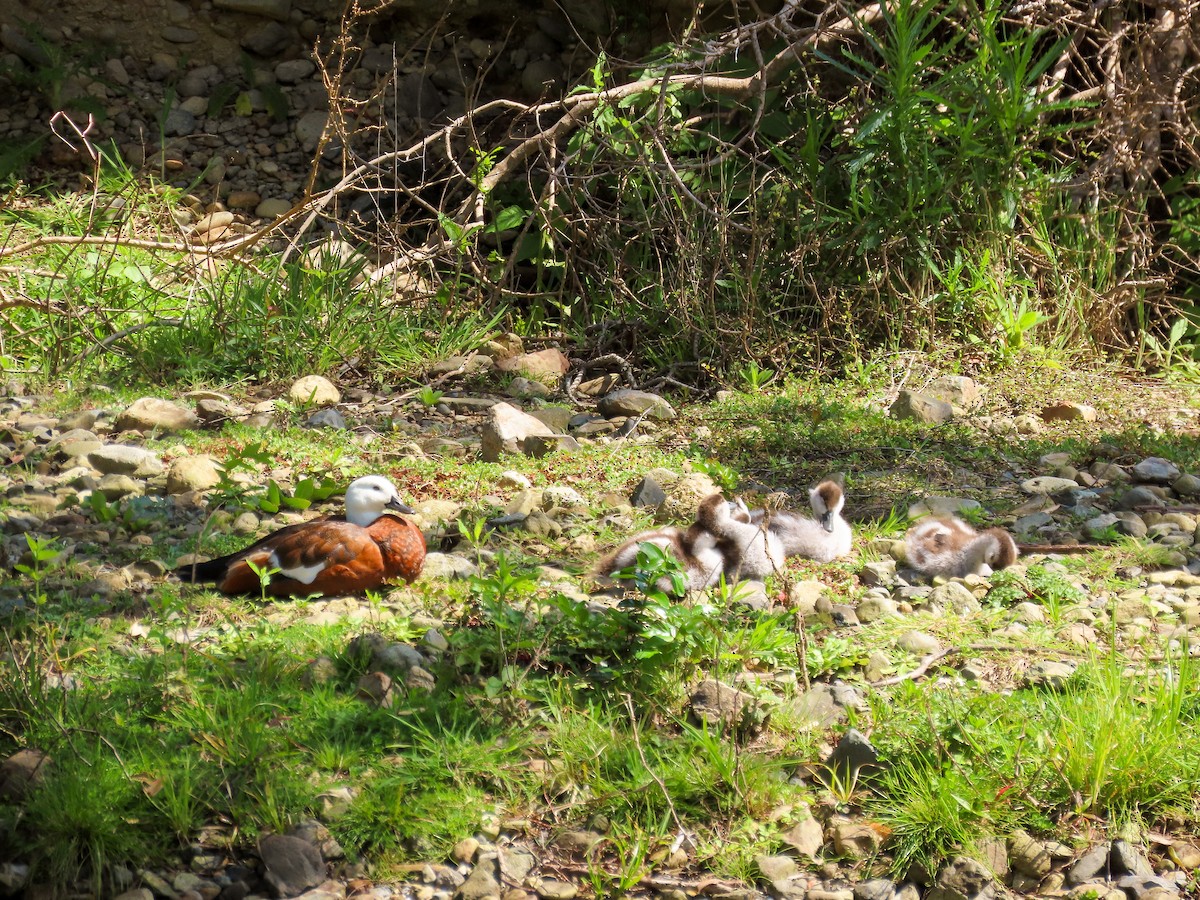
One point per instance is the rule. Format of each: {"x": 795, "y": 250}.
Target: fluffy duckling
{"x": 824, "y": 538}
{"x": 702, "y": 549}
{"x": 949, "y": 546}
{"x": 328, "y": 556}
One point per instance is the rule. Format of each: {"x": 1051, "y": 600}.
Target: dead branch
{"x": 916, "y": 673}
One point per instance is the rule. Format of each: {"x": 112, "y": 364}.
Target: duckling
{"x": 824, "y": 538}
{"x": 703, "y": 548}
{"x": 949, "y": 546}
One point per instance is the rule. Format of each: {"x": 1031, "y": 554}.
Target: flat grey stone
{"x": 1139, "y": 496}
{"x": 628, "y": 402}
{"x": 875, "y": 889}
{"x": 540, "y": 445}
{"x": 1048, "y": 484}
{"x": 484, "y": 880}
{"x": 1156, "y": 470}
{"x": 448, "y": 566}
{"x": 805, "y": 837}
{"x": 155, "y": 414}
{"x": 1090, "y": 866}
{"x": 1049, "y": 673}
{"x": 1126, "y": 859}
{"x": 326, "y": 418}
{"x": 125, "y": 459}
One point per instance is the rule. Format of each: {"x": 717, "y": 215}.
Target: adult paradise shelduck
{"x": 328, "y": 556}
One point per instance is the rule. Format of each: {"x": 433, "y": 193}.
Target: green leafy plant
{"x": 306, "y": 492}
{"x": 834, "y": 655}
{"x": 251, "y": 88}
{"x": 43, "y": 553}
{"x": 100, "y": 507}
{"x": 655, "y": 573}
{"x": 725, "y": 476}
{"x": 264, "y": 573}
{"x": 429, "y": 396}
{"x": 755, "y": 377}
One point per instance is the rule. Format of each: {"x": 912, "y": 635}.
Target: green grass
{"x": 551, "y": 711}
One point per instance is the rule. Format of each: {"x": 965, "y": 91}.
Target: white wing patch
{"x": 302, "y": 574}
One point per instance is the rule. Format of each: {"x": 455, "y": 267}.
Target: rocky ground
{"x": 225, "y": 99}
{"x": 157, "y": 472}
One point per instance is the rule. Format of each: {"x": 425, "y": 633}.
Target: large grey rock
{"x": 852, "y": 754}
{"x": 448, "y": 566}
{"x": 805, "y": 837}
{"x": 155, "y": 414}
{"x": 1068, "y": 411}
{"x": 506, "y": 431}
{"x": 192, "y": 473}
{"x": 539, "y": 445}
{"x": 628, "y": 402}
{"x": 1092, "y": 865}
{"x": 1098, "y": 526}
{"x": 270, "y": 9}
{"x": 125, "y": 459}
{"x": 875, "y": 889}
{"x": 1048, "y": 484}
{"x": 114, "y": 487}
{"x": 957, "y": 390}
{"x": 1049, "y": 673}
{"x": 556, "y": 418}
{"x": 918, "y": 642}
{"x": 1027, "y": 855}
{"x": 684, "y": 496}
{"x": 1186, "y": 485}
{"x": 21, "y": 772}
{"x": 956, "y": 597}
{"x": 815, "y": 707}
{"x": 880, "y": 572}
{"x": 872, "y": 608}
{"x": 292, "y": 865}
{"x": 1139, "y": 496}
{"x": 1126, "y": 859}
{"x": 719, "y": 704}
{"x": 648, "y": 492}
{"x": 854, "y": 840}
{"x": 1156, "y": 470}
{"x": 1148, "y": 887}
{"x": 326, "y": 418}
{"x": 266, "y": 39}
{"x": 916, "y": 407}
{"x": 484, "y": 880}
{"x": 963, "y": 879}
{"x": 550, "y": 363}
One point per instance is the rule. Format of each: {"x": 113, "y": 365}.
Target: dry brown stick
{"x": 577, "y": 107}
{"x": 917, "y": 672}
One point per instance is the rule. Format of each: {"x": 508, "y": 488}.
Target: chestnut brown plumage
{"x": 328, "y": 556}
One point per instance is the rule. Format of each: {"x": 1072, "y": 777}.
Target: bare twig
{"x": 916, "y": 673}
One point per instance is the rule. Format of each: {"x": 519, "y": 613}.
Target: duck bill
{"x": 399, "y": 505}
{"x": 827, "y": 522}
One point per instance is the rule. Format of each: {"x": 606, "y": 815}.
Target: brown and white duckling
{"x": 948, "y": 546}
